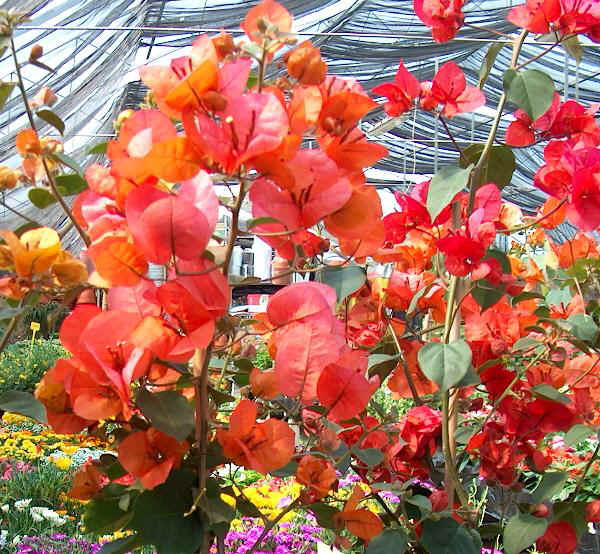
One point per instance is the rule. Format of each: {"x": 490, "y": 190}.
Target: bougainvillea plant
{"x": 498, "y": 350}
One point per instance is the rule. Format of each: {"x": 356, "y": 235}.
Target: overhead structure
{"x": 95, "y": 47}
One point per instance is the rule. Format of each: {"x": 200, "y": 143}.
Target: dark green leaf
{"x": 444, "y": 186}
{"x": 578, "y": 433}
{"x": 521, "y": 531}
{"x": 382, "y": 365}
{"x": 446, "y": 536}
{"x": 531, "y": 90}
{"x": 499, "y": 167}
{"x": 551, "y": 393}
{"x": 370, "y": 456}
{"x": 220, "y": 397}
{"x": 445, "y": 364}
{"x": 41, "y": 198}
{"x": 486, "y": 294}
{"x": 344, "y": 279}
{"x": 121, "y": 546}
{"x": 23, "y": 403}
{"x": 573, "y": 513}
{"x": 68, "y": 161}
{"x": 159, "y": 516}
{"x": 5, "y": 90}
{"x": 488, "y": 62}
{"x": 104, "y": 516}
{"x": 110, "y": 466}
{"x": 99, "y": 148}
{"x": 26, "y": 227}
{"x": 583, "y": 327}
{"x": 391, "y": 541}
{"x": 525, "y": 296}
{"x": 52, "y": 119}
{"x": 244, "y": 364}
{"x": 550, "y": 485}
{"x": 70, "y": 184}
{"x": 168, "y": 411}
{"x": 324, "y": 514}
{"x": 421, "y": 502}
{"x": 287, "y": 470}
{"x": 217, "y": 510}
{"x": 246, "y": 508}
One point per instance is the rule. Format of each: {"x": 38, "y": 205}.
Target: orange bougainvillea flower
{"x": 28, "y": 143}
{"x": 263, "y": 447}
{"x": 317, "y": 474}
{"x": 117, "y": 260}
{"x": 150, "y": 455}
{"x": 264, "y": 383}
{"x": 398, "y": 382}
{"x": 305, "y": 64}
{"x": 87, "y": 482}
{"x": 265, "y": 20}
{"x": 581, "y": 246}
{"x": 359, "y": 521}
{"x": 34, "y": 252}
{"x": 552, "y": 213}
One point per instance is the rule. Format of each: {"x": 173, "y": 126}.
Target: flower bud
{"x": 214, "y": 101}
{"x": 36, "y": 52}
{"x": 539, "y": 510}
{"x": 306, "y": 65}
{"x": 8, "y": 177}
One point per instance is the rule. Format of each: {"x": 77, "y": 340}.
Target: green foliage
{"x": 445, "y": 364}
{"x": 23, "y": 365}
{"x": 263, "y": 359}
{"x": 49, "y": 315}
{"x": 444, "y": 186}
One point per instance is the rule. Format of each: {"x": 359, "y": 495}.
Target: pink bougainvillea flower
{"x": 445, "y": 17}
{"x": 449, "y": 90}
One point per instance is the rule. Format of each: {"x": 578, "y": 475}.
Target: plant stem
{"x": 272, "y": 524}
{"x": 49, "y": 175}
{"x": 235, "y": 218}
{"x": 409, "y": 377}
{"x": 586, "y": 470}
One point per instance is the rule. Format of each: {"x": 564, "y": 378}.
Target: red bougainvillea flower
{"x": 463, "y": 254}
{"x": 401, "y": 93}
{"x": 445, "y": 17}
{"x": 449, "y": 90}
{"x": 318, "y": 475}
{"x": 419, "y": 429}
{"x": 559, "y": 538}
{"x": 263, "y": 447}
{"x": 150, "y": 455}
{"x": 592, "y": 511}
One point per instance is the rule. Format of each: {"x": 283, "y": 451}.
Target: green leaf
{"x": 41, "y": 198}
{"x": 558, "y": 297}
{"x": 382, "y": 365}
{"x": 52, "y": 119}
{"x": 344, "y": 279}
{"x": 446, "y": 536}
{"x": 287, "y": 470}
{"x": 583, "y": 327}
{"x": 261, "y": 221}
{"x": 421, "y": 502}
{"x": 70, "y": 184}
{"x": 573, "y": 47}
{"x": 23, "y": 403}
{"x": 246, "y": 508}
{"x": 547, "y": 391}
{"x": 220, "y": 397}
{"x": 103, "y": 516}
{"x": 68, "y": 161}
{"x": 370, "y": 456}
{"x": 5, "y": 91}
{"x": 578, "y": 433}
{"x": 488, "y": 62}
{"x": 521, "y": 531}
{"x": 111, "y": 466}
{"x": 159, "y": 516}
{"x": 324, "y": 514}
{"x": 121, "y": 546}
{"x": 99, "y": 148}
{"x": 487, "y": 294}
{"x": 527, "y": 295}
{"x": 415, "y": 299}
{"x": 532, "y": 91}
{"x": 168, "y": 411}
{"x": 445, "y": 364}
{"x": 391, "y": 541}
{"x": 499, "y": 166}
{"x": 444, "y": 186}
{"x": 550, "y": 484}
{"x": 573, "y": 513}
{"x": 525, "y": 343}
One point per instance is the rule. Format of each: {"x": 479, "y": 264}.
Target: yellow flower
{"x": 62, "y": 462}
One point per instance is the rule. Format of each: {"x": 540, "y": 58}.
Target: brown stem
{"x": 49, "y": 175}
{"x": 235, "y": 219}
{"x": 12, "y": 324}
{"x": 409, "y": 377}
